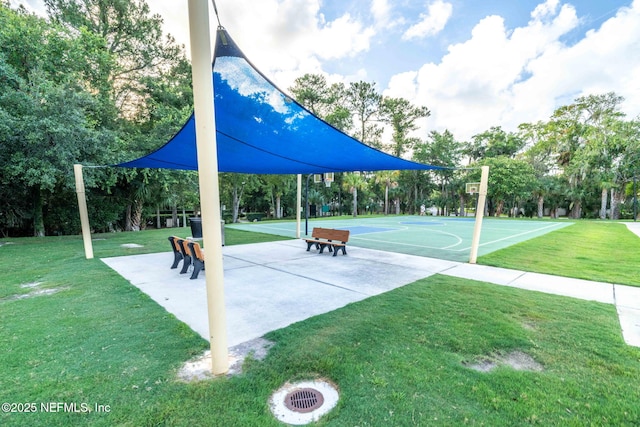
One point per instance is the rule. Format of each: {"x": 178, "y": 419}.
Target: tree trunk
{"x": 540, "y": 206}
{"x": 127, "y": 219}
{"x": 617, "y": 197}
{"x": 576, "y": 210}
{"x": 158, "y": 221}
{"x": 499, "y": 208}
{"x": 461, "y": 203}
{"x": 38, "y": 215}
{"x": 236, "y": 204}
{"x": 174, "y": 216}
{"x": 278, "y": 207}
{"x": 397, "y": 206}
{"x": 603, "y": 203}
{"x": 136, "y": 216}
{"x": 355, "y": 202}
{"x": 386, "y": 199}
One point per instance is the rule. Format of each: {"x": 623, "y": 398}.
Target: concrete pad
{"x": 634, "y": 227}
{"x": 271, "y": 285}
{"x": 483, "y": 273}
{"x": 630, "y": 325}
{"x": 627, "y": 296}
{"x": 566, "y": 286}
{"x": 431, "y": 265}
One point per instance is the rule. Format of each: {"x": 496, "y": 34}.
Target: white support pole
{"x": 482, "y": 197}
{"x": 208, "y": 179}
{"x": 84, "y": 214}
{"x": 298, "y": 206}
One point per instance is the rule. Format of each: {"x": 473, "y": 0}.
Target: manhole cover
{"x": 304, "y": 400}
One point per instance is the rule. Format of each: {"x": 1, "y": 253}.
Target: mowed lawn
{"x": 80, "y": 346}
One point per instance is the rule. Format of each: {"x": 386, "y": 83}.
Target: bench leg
{"x": 177, "y": 257}
{"x": 324, "y": 245}
{"x": 335, "y": 250}
{"x": 197, "y": 267}
{"x": 309, "y": 244}
{"x": 185, "y": 266}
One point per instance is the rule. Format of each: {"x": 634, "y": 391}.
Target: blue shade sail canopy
{"x": 261, "y": 130}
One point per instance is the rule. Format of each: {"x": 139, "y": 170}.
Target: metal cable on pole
{"x": 215, "y": 9}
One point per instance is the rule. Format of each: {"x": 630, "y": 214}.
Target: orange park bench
{"x": 192, "y": 255}
{"x": 177, "y": 252}
{"x": 328, "y": 237}
{"x": 197, "y": 258}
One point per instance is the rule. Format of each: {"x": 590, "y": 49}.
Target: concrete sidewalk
{"x": 272, "y": 285}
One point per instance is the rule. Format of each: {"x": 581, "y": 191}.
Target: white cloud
{"x": 432, "y": 22}
{"x": 503, "y": 77}
{"x": 381, "y": 10}
{"x": 283, "y": 38}
{"x": 33, "y": 6}
{"x": 605, "y": 60}
{"x": 548, "y": 8}
{"x": 384, "y": 16}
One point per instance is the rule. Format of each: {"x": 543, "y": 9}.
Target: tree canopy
{"x": 97, "y": 82}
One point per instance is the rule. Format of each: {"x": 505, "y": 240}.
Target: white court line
{"x": 515, "y": 235}
{"x": 405, "y": 228}
{"x": 415, "y": 245}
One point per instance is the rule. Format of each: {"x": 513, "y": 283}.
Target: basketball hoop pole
{"x": 482, "y": 197}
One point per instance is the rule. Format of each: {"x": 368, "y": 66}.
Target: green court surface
{"x": 438, "y": 237}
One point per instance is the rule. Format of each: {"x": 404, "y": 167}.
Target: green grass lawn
{"x": 592, "y": 250}
{"x": 399, "y": 359}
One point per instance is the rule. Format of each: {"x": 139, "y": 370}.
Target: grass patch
{"x": 601, "y": 251}
{"x": 400, "y": 358}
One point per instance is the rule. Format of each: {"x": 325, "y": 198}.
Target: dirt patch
{"x": 35, "y": 293}
{"x": 517, "y": 360}
{"x": 31, "y": 285}
{"x": 199, "y": 368}
{"x": 131, "y": 245}
{"x": 529, "y": 325}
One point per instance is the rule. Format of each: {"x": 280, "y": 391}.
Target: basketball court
{"x": 446, "y": 238}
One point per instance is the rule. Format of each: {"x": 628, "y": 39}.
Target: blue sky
{"x": 474, "y": 63}
{"x": 389, "y": 45}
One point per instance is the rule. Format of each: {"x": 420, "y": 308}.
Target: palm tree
{"x": 388, "y": 178}
{"x": 353, "y": 182}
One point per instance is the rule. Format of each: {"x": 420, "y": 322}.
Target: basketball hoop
{"x": 472, "y": 187}
{"x": 328, "y": 179}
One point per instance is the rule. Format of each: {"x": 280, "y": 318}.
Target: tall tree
{"x": 510, "y": 180}
{"x": 401, "y": 115}
{"x": 54, "y": 118}
{"x": 388, "y": 179}
{"x": 352, "y": 182}
{"x": 495, "y": 142}
{"x": 364, "y": 102}
{"x": 325, "y": 101}
{"x": 130, "y": 33}
{"x": 582, "y": 135}
{"x": 441, "y": 149}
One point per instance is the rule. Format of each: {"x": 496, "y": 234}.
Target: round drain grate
{"x": 304, "y": 400}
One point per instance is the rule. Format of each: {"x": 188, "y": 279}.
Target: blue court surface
{"x": 437, "y": 237}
